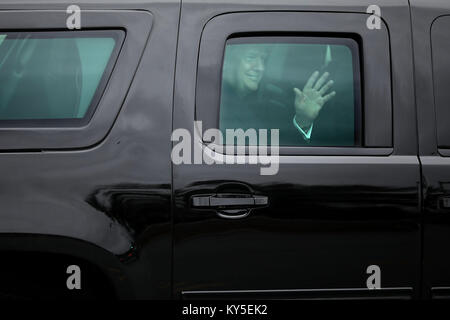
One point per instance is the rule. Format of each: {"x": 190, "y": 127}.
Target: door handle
{"x": 230, "y": 206}
{"x": 229, "y": 201}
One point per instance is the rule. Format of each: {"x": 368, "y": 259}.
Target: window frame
{"x": 376, "y": 93}
{"x": 117, "y": 34}
{"x": 137, "y": 26}
{"x": 437, "y": 48}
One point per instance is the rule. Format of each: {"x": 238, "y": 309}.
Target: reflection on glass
{"x": 50, "y": 75}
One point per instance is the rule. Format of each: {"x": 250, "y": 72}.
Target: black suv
{"x": 133, "y": 160}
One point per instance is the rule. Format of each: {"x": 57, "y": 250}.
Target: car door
{"x": 431, "y": 22}
{"x": 334, "y": 210}
{"x": 85, "y": 121}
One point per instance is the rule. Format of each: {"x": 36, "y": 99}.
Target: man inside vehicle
{"x": 245, "y": 104}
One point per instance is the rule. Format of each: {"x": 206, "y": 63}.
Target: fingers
{"x": 328, "y": 97}
{"x": 298, "y": 92}
{"x": 321, "y": 81}
{"x": 325, "y": 88}
{"x": 311, "y": 80}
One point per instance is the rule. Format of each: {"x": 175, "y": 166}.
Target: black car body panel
{"x": 433, "y": 153}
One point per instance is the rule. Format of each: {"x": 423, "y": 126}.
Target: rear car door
{"x": 431, "y": 23}
{"x": 85, "y": 121}
{"x": 342, "y": 205}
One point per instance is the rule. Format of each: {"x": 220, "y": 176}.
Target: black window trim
{"x": 443, "y": 150}
{"x": 377, "y": 126}
{"x": 136, "y": 23}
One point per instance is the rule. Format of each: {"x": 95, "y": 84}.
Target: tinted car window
{"x": 308, "y": 88}
{"x": 52, "y": 75}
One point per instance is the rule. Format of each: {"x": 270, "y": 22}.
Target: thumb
{"x": 298, "y": 93}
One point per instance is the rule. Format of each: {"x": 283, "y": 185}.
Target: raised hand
{"x": 310, "y": 101}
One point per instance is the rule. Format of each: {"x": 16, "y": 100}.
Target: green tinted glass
{"x": 52, "y": 75}
{"x": 308, "y": 88}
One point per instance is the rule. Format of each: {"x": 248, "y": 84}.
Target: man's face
{"x": 250, "y": 69}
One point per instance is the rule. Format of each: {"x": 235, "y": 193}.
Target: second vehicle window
{"x": 308, "y": 88}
